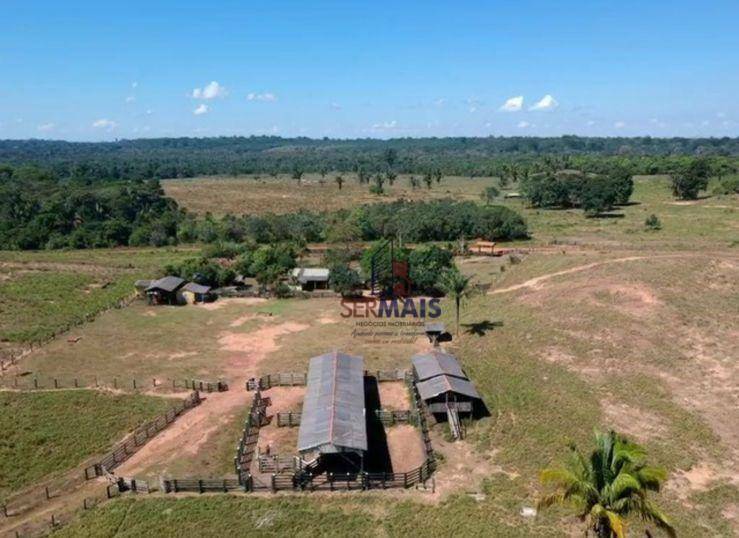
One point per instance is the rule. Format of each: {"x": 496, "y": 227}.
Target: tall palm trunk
{"x": 457, "y": 300}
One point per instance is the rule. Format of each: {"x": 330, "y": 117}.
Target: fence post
{"x": 200, "y": 486}
{"x": 35, "y": 382}
{"x": 56, "y": 386}
{"x": 115, "y": 382}
{"x": 134, "y": 384}
{"x": 48, "y": 493}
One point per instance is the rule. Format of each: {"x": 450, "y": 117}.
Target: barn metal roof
{"x": 333, "y": 415}
{"x": 310, "y": 274}
{"x": 196, "y": 288}
{"x": 167, "y": 283}
{"x": 445, "y": 383}
{"x": 435, "y": 362}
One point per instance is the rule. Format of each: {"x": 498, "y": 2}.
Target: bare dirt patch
{"x": 405, "y": 446}
{"x": 394, "y": 395}
{"x": 220, "y": 303}
{"x": 637, "y": 423}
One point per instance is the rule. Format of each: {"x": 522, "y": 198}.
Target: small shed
{"x": 442, "y": 383}
{"x": 141, "y": 285}
{"x": 166, "y": 290}
{"x": 434, "y": 331}
{"x": 196, "y": 293}
{"x": 333, "y": 418}
{"x": 486, "y": 248}
{"x": 311, "y": 278}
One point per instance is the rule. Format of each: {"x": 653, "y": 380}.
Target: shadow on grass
{"x": 481, "y": 328}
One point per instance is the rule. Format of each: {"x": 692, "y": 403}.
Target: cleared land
{"x": 46, "y": 433}
{"x": 613, "y": 327}
{"x": 251, "y": 195}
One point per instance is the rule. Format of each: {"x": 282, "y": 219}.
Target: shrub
{"x": 344, "y": 280}
{"x": 690, "y": 179}
{"x": 652, "y": 222}
{"x": 283, "y": 291}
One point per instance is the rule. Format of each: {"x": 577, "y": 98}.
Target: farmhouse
{"x": 166, "y": 290}
{"x": 333, "y": 423}
{"x": 311, "y": 278}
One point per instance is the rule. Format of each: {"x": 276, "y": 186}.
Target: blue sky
{"x": 104, "y": 70}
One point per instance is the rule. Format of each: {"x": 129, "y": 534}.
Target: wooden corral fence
{"x": 390, "y": 417}
{"x": 200, "y": 485}
{"x": 278, "y": 463}
{"x": 290, "y": 379}
{"x": 387, "y": 375}
{"x": 289, "y": 419}
{"x": 87, "y": 382}
{"x": 277, "y": 380}
{"x": 250, "y": 435}
{"x": 139, "y": 437}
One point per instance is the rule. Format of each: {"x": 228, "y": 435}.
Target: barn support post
{"x": 273, "y": 482}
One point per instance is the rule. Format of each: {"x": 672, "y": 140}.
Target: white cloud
{"x": 104, "y": 123}
{"x": 210, "y": 91}
{"x": 201, "y": 109}
{"x": 546, "y": 103}
{"x": 130, "y": 99}
{"x": 149, "y": 112}
{"x": 385, "y": 126}
{"x": 336, "y": 106}
{"x": 590, "y": 123}
{"x": 523, "y": 124}
{"x": 46, "y": 127}
{"x": 721, "y": 115}
{"x": 267, "y": 97}
{"x": 134, "y": 84}
{"x": 514, "y": 104}
{"x": 705, "y": 123}
{"x": 440, "y": 102}
{"x": 619, "y": 125}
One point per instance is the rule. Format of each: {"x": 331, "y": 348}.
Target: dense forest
{"x": 163, "y": 158}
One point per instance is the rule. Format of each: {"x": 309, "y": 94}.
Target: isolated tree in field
{"x": 344, "y": 280}
{"x": 693, "y": 178}
{"x": 652, "y": 222}
{"x": 378, "y": 187}
{"x": 456, "y": 286}
{"x": 606, "y": 487}
{"x": 489, "y": 194}
{"x": 323, "y": 171}
{"x": 339, "y": 181}
{"x": 391, "y": 177}
{"x": 428, "y": 179}
{"x": 414, "y": 182}
{"x": 297, "y": 173}
{"x": 438, "y": 175}
{"x": 597, "y": 195}
{"x": 362, "y": 176}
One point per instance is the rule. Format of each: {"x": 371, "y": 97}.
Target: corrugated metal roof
{"x": 435, "y": 362}
{"x": 310, "y": 274}
{"x": 196, "y": 288}
{"x": 333, "y": 415}
{"x": 167, "y": 283}
{"x": 444, "y": 383}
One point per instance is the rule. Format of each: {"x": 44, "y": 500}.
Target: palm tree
{"x": 608, "y": 486}
{"x": 456, "y": 286}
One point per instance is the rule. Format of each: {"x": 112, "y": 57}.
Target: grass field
{"x": 43, "y": 293}
{"x": 708, "y": 221}
{"x": 603, "y": 325}
{"x": 46, "y": 433}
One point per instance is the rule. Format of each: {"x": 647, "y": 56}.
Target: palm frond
{"x": 618, "y": 527}
{"x": 650, "y": 477}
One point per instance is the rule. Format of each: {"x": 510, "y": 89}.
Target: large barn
{"x": 333, "y": 422}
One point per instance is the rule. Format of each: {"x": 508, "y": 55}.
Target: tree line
{"x": 38, "y": 211}
{"x": 164, "y": 158}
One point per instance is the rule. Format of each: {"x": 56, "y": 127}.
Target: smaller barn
{"x": 196, "y": 293}
{"x": 333, "y": 423}
{"x": 166, "y": 290}
{"x": 444, "y": 387}
{"x": 311, "y": 278}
